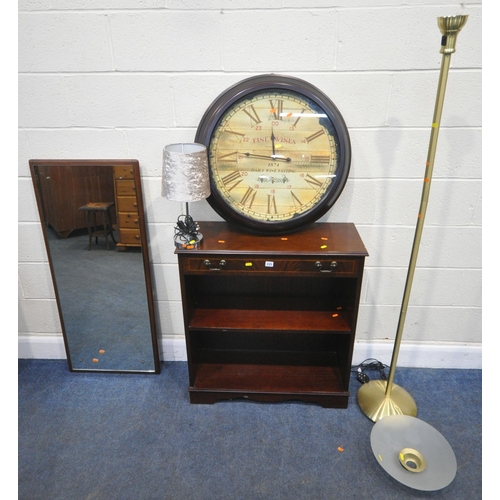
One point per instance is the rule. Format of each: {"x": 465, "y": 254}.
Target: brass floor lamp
{"x": 380, "y": 398}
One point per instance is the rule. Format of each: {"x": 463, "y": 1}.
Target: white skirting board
{"x": 464, "y": 356}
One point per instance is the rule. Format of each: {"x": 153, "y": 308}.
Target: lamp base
{"x": 375, "y": 404}
{"x": 187, "y": 241}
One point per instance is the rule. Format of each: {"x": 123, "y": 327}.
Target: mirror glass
{"x": 94, "y": 228}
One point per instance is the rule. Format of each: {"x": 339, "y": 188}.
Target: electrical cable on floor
{"x": 371, "y": 364}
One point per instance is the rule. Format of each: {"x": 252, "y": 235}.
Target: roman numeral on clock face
{"x": 315, "y": 135}
{"x": 250, "y": 111}
{"x": 231, "y": 180}
{"x": 294, "y": 197}
{"x": 248, "y": 197}
{"x": 237, "y": 134}
{"x": 323, "y": 159}
{"x": 300, "y": 116}
{"x": 312, "y": 181}
{"x": 276, "y": 108}
{"x": 232, "y": 157}
{"x": 271, "y": 204}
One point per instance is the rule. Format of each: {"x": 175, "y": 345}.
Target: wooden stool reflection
{"x": 104, "y": 209}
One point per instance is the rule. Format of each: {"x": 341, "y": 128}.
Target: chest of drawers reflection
{"x": 126, "y": 208}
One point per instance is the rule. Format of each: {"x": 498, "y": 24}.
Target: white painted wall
{"x": 109, "y": 79}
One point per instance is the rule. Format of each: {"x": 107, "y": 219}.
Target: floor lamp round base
{"x": 375, "y": 404}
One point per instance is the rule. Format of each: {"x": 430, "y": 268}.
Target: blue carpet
{"x": 121, "y": 436}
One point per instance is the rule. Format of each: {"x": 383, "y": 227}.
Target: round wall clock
{"x": 279, "y": 153}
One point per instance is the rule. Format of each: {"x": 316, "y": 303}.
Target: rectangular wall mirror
{"x": 94, "y": 228}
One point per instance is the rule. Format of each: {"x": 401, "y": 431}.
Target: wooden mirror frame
{"x": 134, "y": 169}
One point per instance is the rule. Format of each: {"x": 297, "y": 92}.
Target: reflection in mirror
{"x": 94, "y": 229}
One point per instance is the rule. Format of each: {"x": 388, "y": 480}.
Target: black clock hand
{"x": 268, "y": 157}
{"x": 272, "y": 141}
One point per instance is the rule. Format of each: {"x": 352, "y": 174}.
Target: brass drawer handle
{"x": 319, "y": 265}
{"x": 208, "y": 264}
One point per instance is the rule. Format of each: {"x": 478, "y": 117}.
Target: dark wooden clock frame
{"x": 334, "y": 121}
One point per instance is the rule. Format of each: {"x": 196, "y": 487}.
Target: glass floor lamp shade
{"x": 185, "y": 178}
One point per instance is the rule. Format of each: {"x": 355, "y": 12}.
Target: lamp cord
{"x": 370, "y": 364}
{"x": 186, "y": 229}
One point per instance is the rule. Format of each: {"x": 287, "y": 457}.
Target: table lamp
{"x": 185, "y": 178}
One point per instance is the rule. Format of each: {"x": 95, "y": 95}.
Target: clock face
{"x": 279, "y": 153}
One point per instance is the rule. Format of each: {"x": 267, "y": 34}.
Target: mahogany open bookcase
{"x": 272, "y": 318}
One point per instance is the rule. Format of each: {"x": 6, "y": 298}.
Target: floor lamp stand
{"x": 377, "y": 398}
